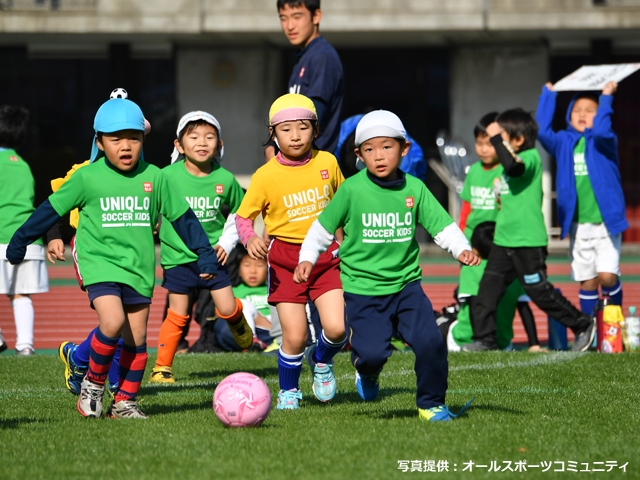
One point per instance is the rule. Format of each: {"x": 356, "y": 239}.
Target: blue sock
{"x": 588, "y": 300}
{"x": 289, "y": 368}
{"x": 81, "y": 355}
{"x": 114, "y": 369}
{"x": 614, "y": 292}
{"x": 326, "y": 349}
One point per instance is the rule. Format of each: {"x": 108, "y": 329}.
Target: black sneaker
{"x": 3, "y": 343}
{"x": 480, "y": 346}
{"x": 584, "y": 339}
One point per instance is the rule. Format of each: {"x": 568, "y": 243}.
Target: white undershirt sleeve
{"x": 229, "y": 238}
{"x": 452, "y": 240}
{"x": 317, "y": 241}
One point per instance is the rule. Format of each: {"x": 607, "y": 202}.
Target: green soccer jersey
{"x": 206, "y": 196}
{"x": 587, "y": 210}
{"x": 17, "y": 187}
{"x": 379, "y": 254}
{"x": 469, "y": 284}
{"x": 256, "y": 295}
{"x": 519, "y": 222}
{"x": 118, "y": 213}
{"x": 478, "y": 191}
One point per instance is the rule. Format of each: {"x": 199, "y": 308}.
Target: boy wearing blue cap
{"x": 120, "y": 197}
{"x": 379, "y": 209}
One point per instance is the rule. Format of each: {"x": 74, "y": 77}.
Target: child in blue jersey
{"x": 379, "y": 209}
{"x": 591, "y": 206}
{"x": 120, "y": 197}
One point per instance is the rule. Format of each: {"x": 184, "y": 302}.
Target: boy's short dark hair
{"x": 481, "y": 126}
{"x": 482, "y": 238}
{"x": 588, "y": 95}
{"x": 13, "y": 126}
{"x": 519, "y": 123}
{"x": 311, "y": 5}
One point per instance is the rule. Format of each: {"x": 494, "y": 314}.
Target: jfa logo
{"x": 13, "y": 159}
{"x": 325, "y": 174}
{"x": 409, "y": 202}
{"x": 147, "y": 186}
{"x": 301, "y": 72}
{"x": 219, "y": 189}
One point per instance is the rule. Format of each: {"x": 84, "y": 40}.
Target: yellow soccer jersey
{"x": 290, "y": 198}
{"x": 56, "y": 183}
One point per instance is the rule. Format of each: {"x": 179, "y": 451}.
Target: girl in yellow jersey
{"x": 290, "y": 191}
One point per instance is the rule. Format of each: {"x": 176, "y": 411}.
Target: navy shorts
{"x": 127, "y": 294}
{"x": 185, "y": 278}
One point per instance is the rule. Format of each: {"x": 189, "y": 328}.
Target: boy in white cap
{"x": 378, "y": 208}
{"x": 120, "y": 197}
{"x": 195, "y": 174}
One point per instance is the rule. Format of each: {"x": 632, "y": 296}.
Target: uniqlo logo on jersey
{"x": 301, "y": 72}
{"x": 219, "y": 189}
{"x": 147, "y": 186}
{"x": 409, "y": 202}
{"x": 325, "y": 174}
{"x": 14, "y": 159}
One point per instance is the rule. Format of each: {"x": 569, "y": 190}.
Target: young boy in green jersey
{"x": 18, "y": 282}
{"x": 379, "y": 208}
{"x": 195, "y": 174}
{"x": 520, "y": 241}
{"x": 120, "y": 197}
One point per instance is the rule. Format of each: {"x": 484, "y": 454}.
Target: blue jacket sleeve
{"x": 190, "y": 231}
{"x": 604, "y": 138}
{"x": 40, "y": 221}
{"x": 544, "y": 116}
{"x": 321, "y": 110}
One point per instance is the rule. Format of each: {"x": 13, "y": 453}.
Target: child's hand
{"x": 469, "y": 258}
{"x": 493, "y": 129}
{"x": 257, "y": 248}
{"x": 207, "y": 276}
{"x": 222, "y": 254}
{"x": 610, "y": 88}
{"x": 549, "y": 86}
{"x": 55, "y": 251}
{"x": 302, "y": 272}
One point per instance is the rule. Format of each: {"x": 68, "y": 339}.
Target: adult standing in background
{"x": 318, "y": 71}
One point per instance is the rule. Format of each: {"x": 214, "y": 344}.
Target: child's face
{"x": 253, "y": 272}
{"x": 295, "y": 137}
{"x": 122, "y": 148}
{"x": 200, "y": 144}
{"x": 382, "y": 156}
{"x": 298, "y": 24}
{"x": 582, "y": 114}
{"x": 485, "y": 150}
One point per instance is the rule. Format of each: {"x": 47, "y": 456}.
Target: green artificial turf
{"x": 554, "y": 407}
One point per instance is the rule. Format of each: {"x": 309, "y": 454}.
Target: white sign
{"x": 595, "y": 77}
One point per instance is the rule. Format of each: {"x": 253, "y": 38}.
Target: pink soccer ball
{"x": 242, "y": 400}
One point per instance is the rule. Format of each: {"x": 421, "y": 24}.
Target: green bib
{"x": 587, "y": 210}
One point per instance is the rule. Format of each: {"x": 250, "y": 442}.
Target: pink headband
{"x": 294, "y": 113}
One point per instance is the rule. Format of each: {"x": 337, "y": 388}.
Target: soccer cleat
{"x": 400, "y": 345}
{"x": 25, "y": 352}
{"x": 324, "y": 381}
{"x": 161, "y": 375}
{"x": 289, "y": 399}
{"x": 441, "y": 413}
{"x": 90, "y": 400}
{"x": 272, "y": 350}
{"x": 126, "y": 409}
{"x": 584, "y": 339}
{"x": 368, "y": 386}
{"x": 3, "y": 343}
{"x": 480, "y": 346}
{"x": 242, "y": 333}
{"x": 73, "y": 374}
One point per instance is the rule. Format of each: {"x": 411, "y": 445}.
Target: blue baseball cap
{"x": 115, "y": 115}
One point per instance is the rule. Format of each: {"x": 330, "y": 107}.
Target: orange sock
{"x": 170, "y": 333}
{"x": 237, "y": 313}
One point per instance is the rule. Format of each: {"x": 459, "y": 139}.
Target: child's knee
{"x": 370, "y": 362}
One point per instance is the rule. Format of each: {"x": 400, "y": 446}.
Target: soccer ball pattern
{"x": 242, "y": 400}
{"x": 119, "y": 93}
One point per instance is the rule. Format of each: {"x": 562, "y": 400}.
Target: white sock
{"x": 23, "y": 315}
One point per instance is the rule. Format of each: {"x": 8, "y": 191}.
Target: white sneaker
{"x": 126, "y": 409}
{"x": 90, "y": 400}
